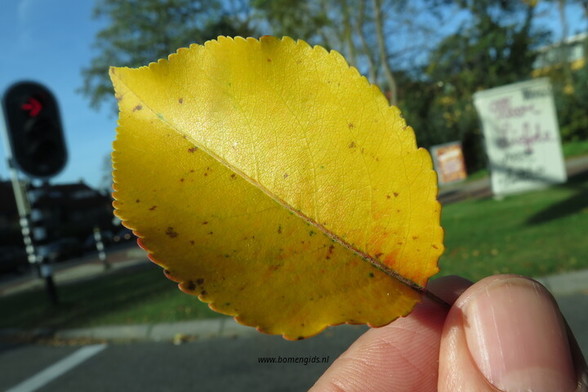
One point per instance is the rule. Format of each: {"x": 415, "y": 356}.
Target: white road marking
{"x": 57, "y": 369}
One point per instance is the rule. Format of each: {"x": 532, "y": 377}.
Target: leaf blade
{"x": 223, "y": 128}
{"x": 255, "y": 275}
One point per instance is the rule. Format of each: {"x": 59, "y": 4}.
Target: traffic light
{"x": 34, "y": 129}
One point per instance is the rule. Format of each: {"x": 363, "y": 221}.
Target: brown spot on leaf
{"x": 233, "y": 176}
{"x": 192, "y": 242}
{"x": 181, "y": 180}
{"x": 205, "y": 222}
{"x": 378, "y": 255}
{"x": 189, "y": 285}
{"x": 414, "y": 237}
{"x": 181, "y": 100}
{"x": 330, "y": 251}
{"x": 152, "y": 208}
{"x": 269, "y": 60}
{"x": 352, "y": 145}
{"x": 137, "y": 201}
{"x": 280, "y": 229}
{"x": 193, "y": 149}
{"x": 396, "y": 194}
{"x": 199, "y": 281}
{"x": 170, "y": 232}
{"x": 350, "y": 125}
{"x": 285, "y": 175}
{"x": 203, "y": 292}
{"x": 138, "y": 107}
{"x": 434, "y": 246}
{"x": 388, "y": 196}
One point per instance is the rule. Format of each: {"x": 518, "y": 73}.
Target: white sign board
{"x": 522, "y": 136}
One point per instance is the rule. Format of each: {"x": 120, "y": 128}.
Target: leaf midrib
{"x": 363, "y": 255}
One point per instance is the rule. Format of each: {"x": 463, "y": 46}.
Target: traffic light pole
{"x": 23, "y": 208}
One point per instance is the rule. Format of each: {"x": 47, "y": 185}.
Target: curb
{"x": 177, "y": 332}
{"x": 180, "y": 332}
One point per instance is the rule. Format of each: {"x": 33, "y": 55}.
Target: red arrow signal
{"x": 33, "y": 106}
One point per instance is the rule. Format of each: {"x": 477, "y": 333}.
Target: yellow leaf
{"x": 271, "y": 180}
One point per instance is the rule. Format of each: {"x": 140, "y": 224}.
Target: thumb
{"x": 506, "y": 333}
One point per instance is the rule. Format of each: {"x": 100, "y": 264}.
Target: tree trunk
{"x": 382, "y": 49}
{"x": 360, "y": 20}
{"x": 348, "y": 33}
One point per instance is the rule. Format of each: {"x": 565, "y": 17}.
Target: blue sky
{"x": 49, "y": 41}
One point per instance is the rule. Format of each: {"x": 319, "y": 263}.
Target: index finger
{"x": 401, "y": 356}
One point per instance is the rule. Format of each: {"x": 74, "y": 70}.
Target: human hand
{"x": 504, "y": 333}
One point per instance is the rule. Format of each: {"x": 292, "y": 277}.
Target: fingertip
{"x": 506, "y": 331}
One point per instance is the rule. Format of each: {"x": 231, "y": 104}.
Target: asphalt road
{"x": 220, "y": 364}
{"x": 208, "y": 365}
{"x": 575, "y": 309}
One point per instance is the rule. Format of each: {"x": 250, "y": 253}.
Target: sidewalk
{"x": 87, "y": 267}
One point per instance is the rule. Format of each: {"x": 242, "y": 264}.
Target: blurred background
{"x": 429, "y": 57}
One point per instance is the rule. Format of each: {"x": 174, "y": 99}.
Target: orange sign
{"x": 449, "y": 162}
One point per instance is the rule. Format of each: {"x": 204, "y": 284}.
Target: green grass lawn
{"x": 576, "y": 148}
{"x": 534, "y": 234}
{"x": 135, "y": 295}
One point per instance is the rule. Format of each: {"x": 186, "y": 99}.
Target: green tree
{"x": 141, "y": 31}
{"x": 493, "y": 47}
{"x": 569, "y": 77}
